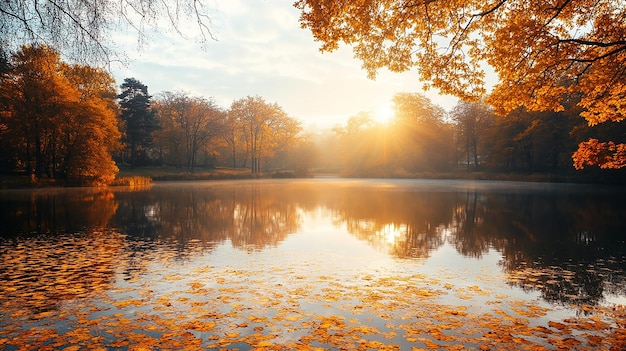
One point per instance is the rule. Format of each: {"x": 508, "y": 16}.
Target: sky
{"x": 262, "y": 51}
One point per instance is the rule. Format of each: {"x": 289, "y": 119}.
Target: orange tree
{"x": 263, "y": 129}
{"x": 58, "y": 121}
{"x": 542, "y": 51}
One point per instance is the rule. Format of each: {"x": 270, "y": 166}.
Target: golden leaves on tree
{"x": 545, "y": 53}
{"x": 60, "y": 119}
{"x": 603, "y": 154}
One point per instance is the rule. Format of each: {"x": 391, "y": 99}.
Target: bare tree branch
{"x": 81, "y": 29}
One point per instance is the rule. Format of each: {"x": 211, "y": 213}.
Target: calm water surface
{"x": 321, "y": 263}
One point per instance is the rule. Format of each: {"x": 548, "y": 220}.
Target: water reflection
{"x": 564, "y": 244}
{"x": 55, "y": 210}
{"x": 249, "y": 215}
{"x": 563, "y": 241}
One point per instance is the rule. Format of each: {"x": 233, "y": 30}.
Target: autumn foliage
{"x": 542, "y": 51}
{"x": 67, "y": 124}
{"x": 604, "y": 154}
{"x": 262, "y": 128}
{"x": 59, "y": 120}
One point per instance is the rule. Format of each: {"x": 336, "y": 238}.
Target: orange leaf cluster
{"x": 603, "y": 154}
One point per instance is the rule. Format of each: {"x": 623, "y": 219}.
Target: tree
{"x": 39, "y": 95}
{"x": 417, "y": 139}
{"x": 139, "y": 120}
{"x": 92, "y": 135}
{"x": 284, "y": 132}
{"x": 303, "y": 156}
{"x": 60, "y": 119}
{"x": 360, "y": 148}
{"x": 189, "y": 125}
{"x": 425, "y": 139}
{"x": 170, "y": 138}
{"x": 527, "y": 141}
{"x": 263, "y": 126}
{"x": 232, "y": 135}
{"x": 541, "y": 50}
{"x": 81, "y": 29}
{"x": 471, "y": 119}
{"x": 5, "y": 163}
{"x": 511, "y": 142}
{"x": 4, "y": 61}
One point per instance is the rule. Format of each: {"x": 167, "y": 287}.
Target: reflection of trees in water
{"x": 561, "y": 244}
{"x": 250, "y": 216}
{"x": 55, "y": 211}
{"x": 567, "y": 245}
{"x": 138, "y": 214}
{"x": 469, "y": 232}
{"x": 408, "y": 224}
{"x": 54, "y": 246}
{"x": 262, "y": 217}
{"x": 567, "y": 284}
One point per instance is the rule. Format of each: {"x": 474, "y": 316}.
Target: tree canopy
{"x": 189, "y": 125}
{"x": 139, "y": 119}
{"x": 542, "y": 51}
{"x": 263, "y": 128}
{"x": 57, "y": 120}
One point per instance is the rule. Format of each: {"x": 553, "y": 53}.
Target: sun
{"x": 384, "y": 113}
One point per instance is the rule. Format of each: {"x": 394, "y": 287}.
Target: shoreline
{"x": 146, "y": 175}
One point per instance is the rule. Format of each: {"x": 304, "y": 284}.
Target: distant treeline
{"x": 471, "y": 140}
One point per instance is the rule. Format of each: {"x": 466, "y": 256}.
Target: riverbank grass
{"x": 163, "y": 173}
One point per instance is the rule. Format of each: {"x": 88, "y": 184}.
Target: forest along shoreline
{"x": 85, "y": 134}
{"x": 141, "y": 176}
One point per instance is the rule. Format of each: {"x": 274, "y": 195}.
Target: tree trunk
{"x": 475, "y": 147}
{"x": 132, "y": 155}
{"x": 467, "y": 156}
{"x": 254, "y": 156}
{"x": 38, "y": 159}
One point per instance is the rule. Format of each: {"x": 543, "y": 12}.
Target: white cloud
{"x": 261, "y": 50}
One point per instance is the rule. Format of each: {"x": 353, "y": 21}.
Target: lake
{"x": 314, "y": 264}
